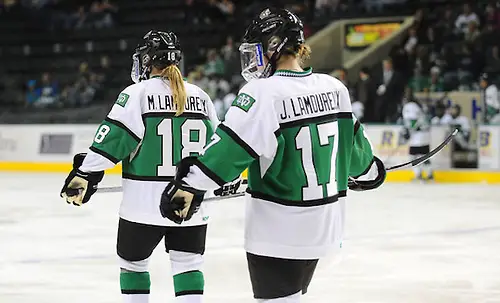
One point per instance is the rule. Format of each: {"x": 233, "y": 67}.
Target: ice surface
{"x": 404, "y": 243}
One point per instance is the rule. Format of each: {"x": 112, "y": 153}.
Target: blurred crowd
{"x": 446, "y": 49}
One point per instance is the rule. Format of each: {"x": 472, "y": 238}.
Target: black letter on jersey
{"x": 283, "y": 114}
{"x": 293, "y": 107}
{"x": 151, "y": 103}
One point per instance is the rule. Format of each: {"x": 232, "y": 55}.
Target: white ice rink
{"x": 405, "y": 243}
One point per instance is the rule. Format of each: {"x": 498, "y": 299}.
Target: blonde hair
{"x": 303, "y": 53}
{"x": 174, "y": 76}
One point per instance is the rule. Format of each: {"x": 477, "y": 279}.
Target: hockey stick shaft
{"x": 415, "y": 162}
{"x": 425, "y": 157}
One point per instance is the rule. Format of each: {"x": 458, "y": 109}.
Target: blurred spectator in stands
{"x": 389, "y": 92}
{"x": 472, "y": 32}
{"x": 400, "y": 62}
{"x": 435, "y": 83}
{"x": 366, "y": 94}
{"x": 492, "y": 15}
{"x": 467, "y": 67}
{"x": 7, "y": 5}
{"x": 225, "y": 6}
{"x": 343, "y": 75}
{"x": 489, "y": 36}
{"x": 465, "y": 18}
{"x": 214, "y": 64}
{"x": 228, "y": 51}
{"x": 99, "y": 15}
{"x": 325, "y": 7}
{"x": 32, "y": 93}
{"x": 421, "y": 64}
{"x": 79, "y": 18}
{"x": 412, "y": 41}
{"x": 103, "y": 72}
{"x": 49, "y": 92}
{"x": 447, "y": 63}
{"x": 446, "y": 24}
{"x": 493, "y": 60}
{"x": 433, "y": 42}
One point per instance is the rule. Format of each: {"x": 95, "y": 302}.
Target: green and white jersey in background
{"x": 142, "y": 131}
{"x": 296, "y": 133}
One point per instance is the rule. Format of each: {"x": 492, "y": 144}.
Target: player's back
{"x": 418, "y": 124}
{"x": 307, "y": 107}
{"x": 166, "y": 139}
{"x": 296, "y": 189}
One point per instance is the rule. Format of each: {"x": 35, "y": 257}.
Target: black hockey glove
{"x": 179, "y": 201}
{"x": 80, "y": 186}
{"x": 362, "y": 185}
{"x": 406, "y": 134}
{"x": 229, "y": 188}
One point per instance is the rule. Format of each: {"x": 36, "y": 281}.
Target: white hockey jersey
{"x": 296, "y": 133}
{"x": 492, "y": 103}
{"x": 415, "y": 120}
{"x": 444, "y": 120}
{"x": 141, "y": 130}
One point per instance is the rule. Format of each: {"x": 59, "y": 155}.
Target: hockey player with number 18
{"x": 295, "y": 131}
{"x": 153, "y": 125}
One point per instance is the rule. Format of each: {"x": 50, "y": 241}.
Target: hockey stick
{"x": 415, "y": 162}
{"x": 426, "y": 157}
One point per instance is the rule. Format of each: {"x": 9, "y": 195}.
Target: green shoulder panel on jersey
{"x": 343, "y": 161}
{"x": 226, "y": 159}
{"x": 243, "y": 101}
{"x": 362, "y": 153}
{"x": 114, "y": 141}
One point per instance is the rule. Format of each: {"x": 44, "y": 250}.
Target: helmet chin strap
{"x": 271, "y": 65}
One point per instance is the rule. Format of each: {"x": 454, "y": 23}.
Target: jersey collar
{"x": 290, "y": 73}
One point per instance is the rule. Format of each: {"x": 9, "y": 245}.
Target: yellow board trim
{"x": 447, "y": 176}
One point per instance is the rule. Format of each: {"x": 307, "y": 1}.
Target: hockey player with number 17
{"x": 295, "y": 131}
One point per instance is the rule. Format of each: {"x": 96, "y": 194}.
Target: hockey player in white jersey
{"x": 153, "y": 124}
{"x": 296, "y": 133}
{"x": 441, "y": 117}
{"x": 491, "y": 100}
{"x": 416, "y": 130}
{"x": 461, "y": 123}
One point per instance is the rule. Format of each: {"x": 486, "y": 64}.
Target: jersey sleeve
{"x": 355, "y": 154}
{"x": 119, "y": 134}
{"x": 247, "y": 133}
{"x": 212, "y": 112}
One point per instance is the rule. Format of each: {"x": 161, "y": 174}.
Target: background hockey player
{"x": 416, "y": 130}
{"x": 441, "y": 117}
{"x": 491, "y": 100}
{"x": 153, "y": 124}
{"x": 296, "y": 133}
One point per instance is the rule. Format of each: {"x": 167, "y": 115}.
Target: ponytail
{"x": 174, "y": 76}
{"x": 304, "y": 53}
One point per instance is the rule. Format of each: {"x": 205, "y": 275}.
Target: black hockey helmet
{"x": 157, "y": 48}
{"x": 273, "y": 30}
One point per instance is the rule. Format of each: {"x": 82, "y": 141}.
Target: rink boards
{"x": 50, "y": 148}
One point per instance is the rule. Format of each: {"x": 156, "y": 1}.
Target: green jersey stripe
{"x": 366, "y": 170}
{"x": 213, "y": 176}
{"x": 238, "y": 140}
{"x": 104, "y": 154}
{"x": 356, "y": 127}
{"x": 361, "y": 155}
{"x": 301, "y": 203}
{"x": 147, "y": 178}
{"x": 225, "y": 160}
{"x": 319, "y": 119}
{"x": 345, "y": 142}
{"x": 122, "y": 126}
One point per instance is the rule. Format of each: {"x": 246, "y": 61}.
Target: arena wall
{"x": 50, "y": 148}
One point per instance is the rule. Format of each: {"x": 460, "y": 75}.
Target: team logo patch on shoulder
{"x": 122, "y": 99}
{"x": 244, "y": 102}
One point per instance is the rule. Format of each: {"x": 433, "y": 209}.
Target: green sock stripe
{"x": 189, "y": 283}
{"x": 135, "y": 282}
